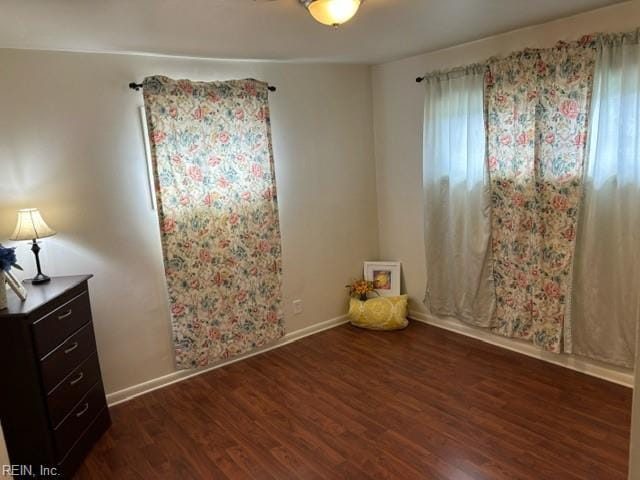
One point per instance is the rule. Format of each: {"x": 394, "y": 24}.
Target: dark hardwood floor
{"x": 422, "y": 403}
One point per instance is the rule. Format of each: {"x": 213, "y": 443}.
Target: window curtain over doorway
{"x": 456, "y": 198}
{"x": 606, "y": 286}
{"x": 215, "y": 185}
{"x": 537, "y": 103}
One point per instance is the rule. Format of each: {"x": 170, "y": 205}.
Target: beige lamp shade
{"x": 333, "y": 12}
{"x": 31, "y": 225}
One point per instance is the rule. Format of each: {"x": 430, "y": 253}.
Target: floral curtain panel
{"x": 536, "y": 108}
{"x": 215, "y": 184}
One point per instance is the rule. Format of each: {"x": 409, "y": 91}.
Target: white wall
{"x": 398, "y": 119}
{"x": 71, "y": 144}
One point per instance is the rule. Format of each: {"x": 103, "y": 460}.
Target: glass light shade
{"x": 333, "y": 12}
{"x": 31, "y": 225}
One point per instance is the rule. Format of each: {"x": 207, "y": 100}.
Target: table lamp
{"x": 31, "y": 226}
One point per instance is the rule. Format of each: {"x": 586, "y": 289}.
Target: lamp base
{"x": 39, "y": 279}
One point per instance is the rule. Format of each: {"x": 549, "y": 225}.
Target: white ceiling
{"x": 262, "y": 29}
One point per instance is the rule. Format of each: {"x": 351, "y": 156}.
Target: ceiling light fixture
{"x": 332, "y": 12}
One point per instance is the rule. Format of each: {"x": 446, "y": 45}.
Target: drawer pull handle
{"x": 65, "y": 314}
{"x": 77, "y": 379}
{"x": 71, "y": 348}
{"x": 83, "y": 411}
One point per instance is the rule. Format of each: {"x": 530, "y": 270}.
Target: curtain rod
{"x": 137, "y": 86}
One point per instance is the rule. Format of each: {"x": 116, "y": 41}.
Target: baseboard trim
{"x": 579, "y": 364}
{"x": 134, "y": 391}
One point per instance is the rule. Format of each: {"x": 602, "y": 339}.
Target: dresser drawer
{"x": 69, "y": 392}
{"x": 82, "y": 415}
{"x": 69, "y": 355}
{"x": 51, "y": 330}
{"x": 74, "y": 457}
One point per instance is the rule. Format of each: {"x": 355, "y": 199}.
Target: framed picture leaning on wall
{"x": 385, "y": 277}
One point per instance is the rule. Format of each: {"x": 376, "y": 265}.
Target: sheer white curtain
{"x": 456, "y": 196}
{"x": 606, "y": 277}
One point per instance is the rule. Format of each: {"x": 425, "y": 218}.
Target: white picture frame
{"x": 16, "y": 286}
{"x": 387, "y": 272}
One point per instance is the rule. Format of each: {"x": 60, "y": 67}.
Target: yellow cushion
{"x": 380, "y": 313}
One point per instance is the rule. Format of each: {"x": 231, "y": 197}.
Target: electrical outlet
{"x": 297, "y": 307}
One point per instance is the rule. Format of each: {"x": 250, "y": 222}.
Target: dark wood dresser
{"x": 52, "y": 405}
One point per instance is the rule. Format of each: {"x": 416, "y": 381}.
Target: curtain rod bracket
{"x": 420, "y": 79}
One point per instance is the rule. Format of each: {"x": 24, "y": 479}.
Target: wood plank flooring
{"x": 422, "y": 403}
